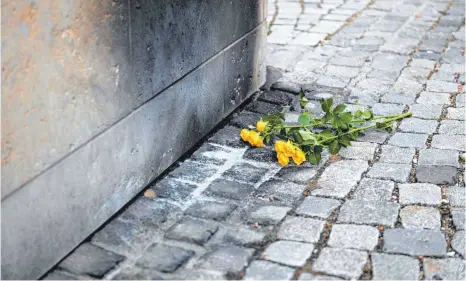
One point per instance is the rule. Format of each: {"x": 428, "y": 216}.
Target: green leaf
{"x": 267, "y": 139}
{"x": 358, "y": 113}
{"x": 314, "y": 157}
{"x": 346, "y": 117}
{"x": 339, "y": 109}
{"x": 354, "y": 135}
{"x": 287, "y": 130}
{"x": 326, "y": 134}
{"x": 302, "y": 99}
{"x": 334, "y": 147}
{"x": 367, "y": 114}
{"x": 326, "y": 105}
{"x": 345, "y": 141}
{"x": 304, "y": 119}
{"x": 338, "y": 124}
{"x": 306, "y": 135}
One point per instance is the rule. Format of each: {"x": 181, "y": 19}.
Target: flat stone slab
{"x": 436, "y": 174}
{"x": 241, "y": 236}
{"x": 359, "y": 150}
{"x": 438, "y": 157}
{"x": 288, "y": 252}
{"x": 297, "y": 174}
{"x": 211, "y": 210}
{"x": 191, "y": 171}
{"x": 426, "y": 111}
{"x": 310, "y": 276}
{"x": 268, "y": 215}
{"x": 455, "y": 142}
{"x": 444, "y": 269}
{"x": 245, "y": 172}
{"x": 408, "y": 140}
{"x": 397, "y": 155}
{"x": 415, "y": 242}
{"x": 345, "y": 263}
{"x": 374, "y": 190}
{"x": 420, "y": 193}
{"x": 389, "y": 171}
{"x": 286, "y": 192}
{"x": 226, "y": 259}
{"x": 229, "y": 189}
{"x": 301, "y": 229}
{"x": 452, "y": 127}
{"x": 458, "y": 215}
{"x": 417, "y": 217}
{"x": 264, "y": 270}
{"x": 394, "y": 267}
{"x": 348, "y": 236}
{"x": 456, "y": 196}
{"x": 173, "y": 189}
{"x": 369, "y": 212}
{"x": 192, "y": 231}
{"x": 164, "y": 258}
{"x": 457, "y": 243}
{"x": 317, "y": 207}
{"x": 415, "y": 125}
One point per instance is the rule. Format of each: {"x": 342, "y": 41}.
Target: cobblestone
{"x": 456, "y": 113}
{"x": 359, "y": 150}
{"x": 289, "y": 252}
{"x": 436, "y": 174}
{"x": 417, "y": 217}
{"x": 211, "y": 210}
{"x": 264, "y": 270}
{"x": 301, "y": 229}
{"x": 388, "y": 171}
{"x": 317, "y": 207}
{"x": 345, "y": 263}
{"x": 164, "y": 258}
{"x": 453, "y": 127}
{"x": 394, "y": 267}
{"x": 414, "y": 125}
{"x": 426, "y": 111}
{"x": 360, "y": 237}
{"x": 369, "y": 212}
{"x": 397, "y": 155}
{"x": 458, "y": 216}
{"x": 438, "y": 157}
{"x": 229, "y": 189}
{"x": 444, "y": 269}
{"x": 455, "y": 142}
{"x": 456, "y": 196}
{"x": 457, "y": 243}
{"x": 228, "y": 259}
{"x": 374, "y": 190}
{"x": 415, "y": 242}
{"x": 268, "y": 215}
{"x": 409, "y": 140}
{"x": 192, "y": 231}
{"x": 420, "y": 193}
{"x": 434, "y": 98}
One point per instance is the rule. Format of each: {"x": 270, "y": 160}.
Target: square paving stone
{"x": 264, "y": 154}
{"x": 148, "y": 211}
{"x": 191, "y": 274}
{"x": 137, "y": 273}
{"x": 301, "y": 229}
{"x": 317, "y": 207}
{"x": 345, "y": 263}
{"x": 456, "y": 196}
{"x": 310, "y": 276}
{"x": 211, "y": 210}
{"x": 373, "y": 135}
{"x": 164, "y": 258}
{"x": 457, "y": 243}
{"x": 369, "y": 212}
{"x": 242, "y": 236}
{"x": 436, "y": 174}
{"x": 387, "y": 109}
{"x": 455, "y": 142}
{"x": 417, "y": 217}
{"x": 263, "y": 107}
{"x": 229, "y": 189}
{"x": 192, "y": 231}
{"x": 389, "y": 61}
{"x": 415, "y": 242}
{"x": 434, "y": 98}
{"x": 389, "y": 171}
{"x": 408, "y": 140}
{"x": 211, "y": 154}
{"x": 394, "y": 267}
{"x": 359, "y": 150}
{"x": 398, "y": 98}
{"x": 441, "y": 86}
{"x": 276, "y": 97}
{"x": 397, "y": 155}
{"x": 268, "y": 215}
{"x": 444, "y": 269}
{"x": 88, "y": 259}
{"x": 414, "y": 125}
{"x": 297, "y": 174}
{"x": 228, "y": 259}
{"x": 264, "y": 270}
{"x": 245, "y": 119}
{"x": 420, "y": 193}
{"x": 192, "y": 171}
{"x": 228, "y": 136}
{"x": 285, "y": 192}
{"x": 339, "y": 178}
{"x": 438, "y": 157}
{"x": 426, "y": 111}
{"x": 458, "y": 216}
{"x": 348, "y": 236}
{"x": 173, "y": 189}
{"x": 456, "y": 113}
{"x": 289, "y": 252}
{"x": 245, "y": 172}
{"x": 451, "y": 127}
{"x": 374, "y": 190}
{"x": 60, "y": 275}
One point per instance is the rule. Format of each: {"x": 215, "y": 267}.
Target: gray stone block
{"x": 297, "y": 174}
{"x": 283, "y": 191}
{"x": 229, "y": 189}
{"x": 415, "y": 242}
{"x": 268, "y": 215}
{"x": 301, "y": 229}
{"x": 456, "y": 113}
{"x": 345, "y": 263}
{"x": 374, "y": 190}
{"x": 245, "y": 172}
{"x": 434, "y": 98}
{"x": 436, "y": 174}
{"x": 417, "y": 217}
{"x": 310, "y": 276}
{"x": 419, "y": 193}
{"x": 444, "y": 269}
{"x": 389, "y": 171}
{"x": 192, "y": 231}
{"x": 369, "y": 212}
{"x": 277, "y": 97}
{"x": 211, "y": 210}
{"x": 398, "y": 98}
{"x": 242, "y": 236}
{"x": 60, "y": 275}
{"x": 408, "y": 140}
{"x": 397, "y": 155}
{"x": 457, "y": 243}
{"x": 264, "y": 270}
{"x": 150, "y": 212}
{"x": 289, "y": 252}
{"x": 452, "y": 127}
{"x": 317, "y": 207}
{"x": 441, "y": 86}
{"x": 264, "y": 154}
{"x": 359, "y": 150}
{"x": 245, "y": 119}
{"x": 228, "y": 259}
{"x": 360, "y": 237}
{"x": 426, "y": 111}
{"x": 373, "y": 135}
{"x": 456, "y": 196}
{"x": 394, "y": 267}
{"x": 455, "y": 142}
{"x": 458, "y": 216}
{"x": 164, "y": 258}
{"x": 438, "y": 157}
{"x": 414, "y": 125}
{"x": 173, "y": 189}
{"x": 387, "y": 109}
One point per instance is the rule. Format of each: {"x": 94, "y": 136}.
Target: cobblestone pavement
{"x": 391, "y": 207}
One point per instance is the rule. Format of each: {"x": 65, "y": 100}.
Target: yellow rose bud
{"x": 289, "y": 149}
{"x": 280, "y": 146}
{"x": 299, "y": 157}
{"x": 283, "y": 159}
{"x": 261, "y": 125}
{"x": 244, "y": 135}
{"x": 255, "y": 139}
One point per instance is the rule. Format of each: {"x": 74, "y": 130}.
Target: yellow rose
{"x": 299, "y": 157}
{"x": 260, "y": 126}
{"x": 283, "y": 159}
{"x": 280, "y": 146}
{"x": 255, "y": 139}
{"x": 289, "y": 149}
{"x": 244, "y": 135}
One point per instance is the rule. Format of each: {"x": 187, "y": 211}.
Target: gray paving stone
{"x": 297, "y": 174}
{"x": 190, "y": 274}
{"x": 211, "y": 154}
{"x": 192, "y": 231}
{"x": 428, "y": 64}
{"x": 359, "y": 150}
{"x": 241, "y": 236}
{"x": 434, "y": 98}
{"x": 332, "y": 82}
{"x": 228, "y": 136}
{"x": 427, "y": 55}
{"x": 285, "y": 192}
{"x": 387, "y": 109}
{"x": 301, "y": 229}
{"x": 347, "y": 61}
{"x": 415, "y": 242}
{"x": 164, "y": 258}
{"x": 245, "y": 172}
{"x": 229, "y": 189}
{"x": 328, "y": 27}
{"x": 397, "y": 155}
{"x": 317, "y": 207}
{"x": 360, "y": 237}
{"x": 456, "y": 113}
{"x": 308, "y": 39}
{"x": 458, "y": 216}
{"x": 398, "y": 98}
{"x": 172, "y": 189}
{"x": 310, "y": 276}
{"x": 389, "y": 171}
{"x": 150, "y": 212}
{"x": 261, "y": 154}
{"x": 419, "y": 193}
{"x": 409, "y": 140}
{"x": 289, "y": 252}
{"x": 460, "y": 100}
{"x": 407, "y": 86}
{"x": 192, "y": 171}
{"x": 455, "y": 142}
{"x": 211, "y": 210}
{"x": 286, "y": 86}
{"x": 276, "y": 97}
{"x": 264, "y": 270}
{"x": 426, "y": 111}
{"x": 375, "y": 136}
{"x": 452, "y": 127}
{"x": 227, "y": 259}
{"x": 414, "y": 125}
{"x": 339, "y": 178}
{"x": 347, "y": 263}
{"x": 389, "y": 61}
{"x": 441, "y": 86}
{"x": 438, "y": 157}
{"x": 417, "y": 217}
{"x": 436, "y": 174}
{"x": 394, "y": 267}
{"x": 444, "y": 269}
{"x": 268, "y": 215}
{"x": 88, "y": 259}
{"x": 263, "y": 107}
{"x": 456, "y": 196}
{"x": 342, "y": 71}
{"x": 457, "y": 243}
{"x": 60, "y": 275}
{"x": 245, "y": 119}
{"x": 369, "y": 212}
{"x": 374, "y": 190}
